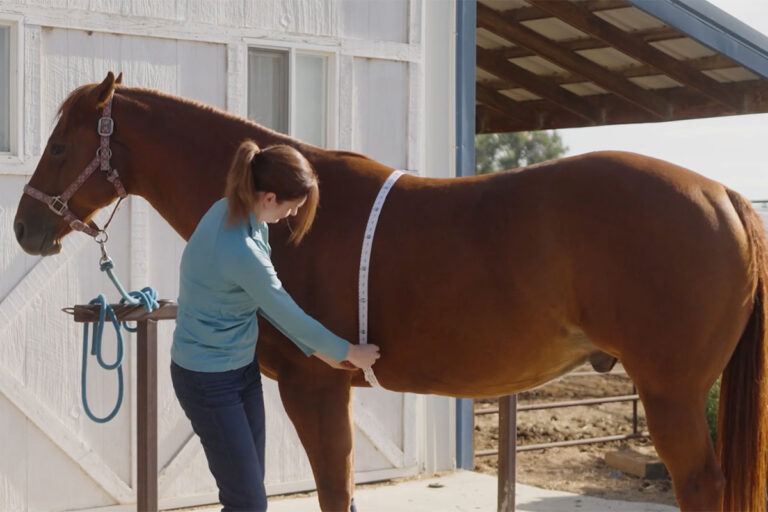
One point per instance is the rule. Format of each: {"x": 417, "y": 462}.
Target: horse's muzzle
{"x": 37, "y": 242}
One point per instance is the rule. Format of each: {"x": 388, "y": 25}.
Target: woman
{"x": 226, "y": 277}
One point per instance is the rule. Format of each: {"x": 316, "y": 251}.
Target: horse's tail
{"x": 743, "y": 415}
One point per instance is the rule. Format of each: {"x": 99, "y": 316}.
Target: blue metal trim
{"x": 465, "y": 429}
{"x": 714, "y": 28}
{"x": 466, "y": 14}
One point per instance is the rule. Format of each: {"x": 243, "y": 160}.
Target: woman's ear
{"x": 270, "y": 197}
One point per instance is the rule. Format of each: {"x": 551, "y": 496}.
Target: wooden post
{"x": 146, "y": 392}
{"x": 507, "y": 452}
{"x": 146, "y": 417}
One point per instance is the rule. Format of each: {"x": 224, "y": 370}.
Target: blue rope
{"x": 146, "y": 297}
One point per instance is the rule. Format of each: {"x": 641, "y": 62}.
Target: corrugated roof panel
{"x": 715, "y": 28}
{"x": 555, "y": 29}
{"x": 735, "y": 74}
{"x": 539, "y": 66}
{"x": 629, "y": 19}
{"x": 490, "y": 41}
{"x": 584, "y": 88}
{"x": 504, "y": 5}
{"x": 683, "y": 48}
{"x": 520, "y": 94}
{"x": 655, "y": 82}
{"x": 610, "y": 58}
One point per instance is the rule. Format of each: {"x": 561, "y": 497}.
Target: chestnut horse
{"x": 480, "y": 286}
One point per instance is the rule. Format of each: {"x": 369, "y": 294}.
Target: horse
{"x": 480, "y": 286}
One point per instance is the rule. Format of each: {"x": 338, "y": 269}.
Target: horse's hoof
{"x": 353, "y": 508}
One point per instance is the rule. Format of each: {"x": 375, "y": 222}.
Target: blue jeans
{"x": 227, "y": 412}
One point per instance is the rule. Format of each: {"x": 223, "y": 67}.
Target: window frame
{"x": 15, "y": 152}
{"x": 332, "y": 86}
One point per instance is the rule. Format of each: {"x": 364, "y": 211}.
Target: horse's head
{"x": 46, "y": 213}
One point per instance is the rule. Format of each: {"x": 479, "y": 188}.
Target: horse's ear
{"x": 119, "y": 79}
{"x": 104, "y": 90}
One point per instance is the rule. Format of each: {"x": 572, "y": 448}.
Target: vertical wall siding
{"x": 57, "y": 458}
{"x": 381, "y": 102}
{"x": 375, "y": 20}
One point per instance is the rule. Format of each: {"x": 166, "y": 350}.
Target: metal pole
{"x": 507, "y": 452}
{"x": 634, "y": 411}
{"x": 146, "y": 401}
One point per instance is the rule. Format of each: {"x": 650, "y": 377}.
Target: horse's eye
{"x": 57, "y": 149}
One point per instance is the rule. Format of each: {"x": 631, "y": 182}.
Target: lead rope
{"x": 365, "y": 259}
{"x": 147, "y": 297}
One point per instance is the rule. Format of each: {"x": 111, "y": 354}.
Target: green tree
{"x": 499, "y": 151}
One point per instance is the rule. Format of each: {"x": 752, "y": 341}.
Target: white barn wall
{"x": 194, "y": 48}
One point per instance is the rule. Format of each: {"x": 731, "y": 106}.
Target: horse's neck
{"x": 180, "y": 153}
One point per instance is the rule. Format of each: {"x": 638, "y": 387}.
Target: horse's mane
{"x": 145, "y": 97}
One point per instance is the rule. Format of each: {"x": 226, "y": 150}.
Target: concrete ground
{"x": 462, "y": 491}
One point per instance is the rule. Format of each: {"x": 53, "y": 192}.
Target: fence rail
{"x": 634, "y": 398}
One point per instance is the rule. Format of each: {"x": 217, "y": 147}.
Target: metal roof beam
{"x": 502, "y": 68}
{"x": 582, "y": 19}
{"x": 491, "y": 20}
{"x": 532, "y": 13}
{"x": 754, "y": 96}
{"x": 708, "y": 63}
{"x": 507, "y": 106}
{"x": 590, "y": 43}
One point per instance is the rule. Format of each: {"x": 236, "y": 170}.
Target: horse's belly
{"x": 494, "y": 368}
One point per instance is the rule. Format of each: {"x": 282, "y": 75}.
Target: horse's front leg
{"x": 319, "y": 406}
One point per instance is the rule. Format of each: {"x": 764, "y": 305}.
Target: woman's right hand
{"x": 363, "y": 356}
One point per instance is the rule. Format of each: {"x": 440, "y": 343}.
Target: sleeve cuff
{"x": 340, "y": 351}
{"x": 308, "y": 351}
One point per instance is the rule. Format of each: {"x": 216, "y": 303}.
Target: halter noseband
{"x": 58, "y": 204}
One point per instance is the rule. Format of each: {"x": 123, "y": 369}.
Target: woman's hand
{"x": 359, "y": 356}
{"x": 362, "y": 356}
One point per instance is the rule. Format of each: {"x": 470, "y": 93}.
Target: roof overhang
{"x": 545, "y": 64}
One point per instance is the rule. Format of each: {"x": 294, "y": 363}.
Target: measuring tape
{"x": 365, "y": 259}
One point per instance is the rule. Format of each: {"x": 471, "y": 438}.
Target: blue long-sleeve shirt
{"x": 226, "y": 278}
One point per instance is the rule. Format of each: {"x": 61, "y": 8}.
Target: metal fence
{"x": 573, "y": 403}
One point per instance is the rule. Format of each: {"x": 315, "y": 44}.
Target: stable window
{"x": 11, "y": 78}
{"x": 5, "y": 88}
{"x": 289, "y": 91}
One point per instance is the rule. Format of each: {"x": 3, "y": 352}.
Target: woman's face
{"x": 271, "y": 210}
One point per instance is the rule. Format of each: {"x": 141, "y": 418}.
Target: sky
{"x": 732, "y": 150}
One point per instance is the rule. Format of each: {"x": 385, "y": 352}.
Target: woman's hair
{"x": 279, "y": 169}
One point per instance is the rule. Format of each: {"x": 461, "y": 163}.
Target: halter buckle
{"x": 105, "y": 126}
{"x": 57, "y": 205}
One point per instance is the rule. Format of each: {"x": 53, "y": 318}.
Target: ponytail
{"x": 279, "y": 169}
{"x": 240, "y": 191}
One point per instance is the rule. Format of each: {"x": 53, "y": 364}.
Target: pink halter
{"x": 58, "y": 204}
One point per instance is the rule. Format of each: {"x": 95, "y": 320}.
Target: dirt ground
{"x": 582, "y": 468}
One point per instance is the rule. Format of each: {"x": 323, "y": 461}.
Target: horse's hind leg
{"x": 676, "y": 421}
